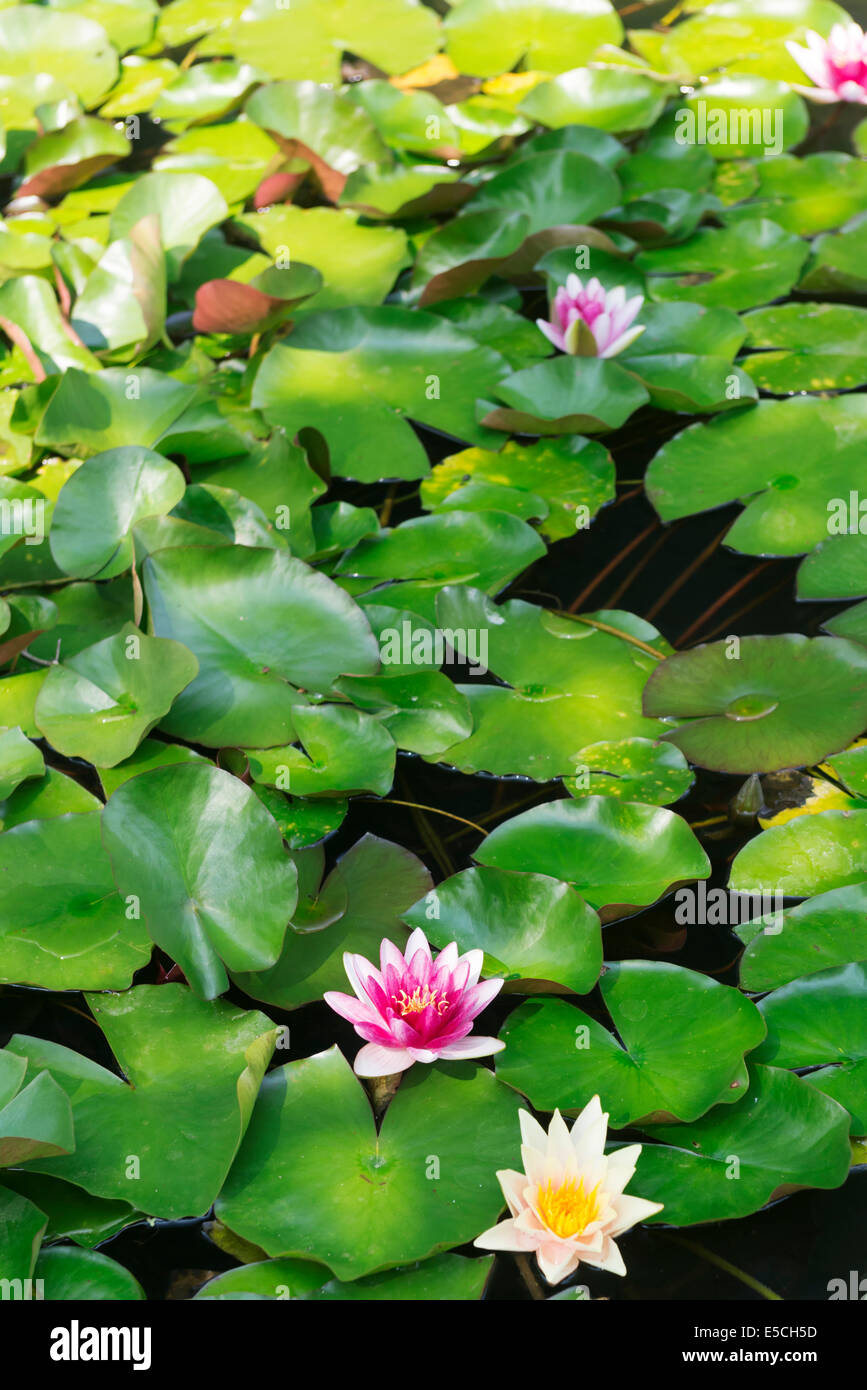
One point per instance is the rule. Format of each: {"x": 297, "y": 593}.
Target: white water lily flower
{"x": 569, "y": 1204}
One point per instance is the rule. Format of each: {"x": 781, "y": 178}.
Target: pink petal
{"x": 473, "y": 1046}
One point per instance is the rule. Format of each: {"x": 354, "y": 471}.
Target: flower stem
{"x": 382, "y": 1091}
{"x": 529, "y": 1278}
{"x": 721, "y": 1263}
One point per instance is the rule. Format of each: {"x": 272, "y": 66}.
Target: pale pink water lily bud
{"x": 568, "y": 1204}
{"x": 415, "y": 1008}
{"x": 589, "y": 321}
{"x": 837, "y": 65}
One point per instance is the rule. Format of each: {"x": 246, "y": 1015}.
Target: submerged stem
{"x": 721, "y": 1263}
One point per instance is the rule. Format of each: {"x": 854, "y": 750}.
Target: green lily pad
{"x": 445, "y": 1277}
{"x": 617, "y": 99}
{"x": 235, "y": 158}
{"x": 122, "y": 305}
{"x": 684, "y": 357}
{"x": 736, "y": 267}
{"x": 821, "y": 1019}
{"x": 164, "y": 1135}
{"x": 20, "y": 760}
{"x": 486, "y": 549}
{"x": 358, "y": 264}
{"x": 783, "y": 702}
{"x": 837, "y": 262}
{"x": 537, "y": 723}
{"x": 357, "y": 375}
{"x": 69, "y": 1274}
{"x": 100, "y": 504}
{"x": 567, "y": 395}
{"x": 320, "y": 125}
{"x": 574, "y": 476}
{"x": 206, "y": 863}
{"x": 534, "y": 929}
{"x": 632, "y": 769}
{"x": 784, "y": 1135}
{"x": 307, "y": 40}
{"x": 806, "y": 195}
{"x": 35, "y": 1115}
{"x": 678, "y": 1049}
{"x": 387, "y": 1203}
{"x": 826, "y": 931}
{"x": 343, "y": 751}
{"x": 101, "y": 703}
{"x": 805, "y": 856}
{"x": 750, "y": 456}
{"x": 186, "y": 206}
{"x": 749, "y": 35}
{"x": 807, "y": 347}
{"x": 102, "y": 411}
{"x": 255, "y": 620}
{"x": 487, "y": 37}
{"x": 361, "y": 902}
{"x": 63, "y": 159}
{"x": 29, "y": 309}
{"x": 73, "y": 50}
{"x": 73, "y": 1214}
{"x": 614, "y": 852}
{"x": 150, "y": 753}
{"x": 742, "y": 115}
{"x": 422, "y": 710}
{"x": 21, "y": 1225}
{"x": 76, "y": 933}
{"x": 53, "y": 794}
{"x": 204, "y": 92}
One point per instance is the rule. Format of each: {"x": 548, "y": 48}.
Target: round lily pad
{"x": 774, "y": 702}
{"x": 678, "y": 1049}
{"x": 69, "y": 1274}
{"x": 165, "y": 1135}
{"x": 783, "y": 1135}
{"x": 823, "y": 1020}
{"x": 826, "y": 931}
{"x": 807, "y": 855}
{"x": 807, "y": 347}
{"x": 445, "y": 1277}
{"x": 100, "y": 703}
{"x": 614, "y": 852}
{"x": 75, "y": 933}
{"x": 632, "y": 769}
{"x": 738, "y": 267}
{"x": 425, "y": 1183}
{"x": 535, "y": 930}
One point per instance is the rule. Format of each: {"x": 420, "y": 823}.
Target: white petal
{"x": 376, "y": 1060}
{"x": 473, "y": 1046}
{"x": 532, "y": 1133}
{"x": 631, "y": 1210}
{"x": 556, "y": 1262}
{"x": 417, "y": 942}
{"x": 502, "y": 1237}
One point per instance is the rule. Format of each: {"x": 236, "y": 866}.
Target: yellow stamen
{"x": 419, "y": 1000}
{"x": 568, "y": 1210}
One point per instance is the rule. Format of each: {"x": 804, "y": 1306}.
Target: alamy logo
{"x": 729, "y": 125}
{"x": 76, "y": 1343}
{"x": 24, "y": 1290}
{"x": 23, "y": 516}
{"x": 720, "y": 907}
{"x": 419, "y": 646}
{"x": 855, "y": 1288}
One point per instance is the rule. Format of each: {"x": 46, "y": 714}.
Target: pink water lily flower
{"x": 415, "y": 1008}
{"x": 591, "y": 321}
{"x": 568, "y": 1204}
{"x": 837, "y": 65}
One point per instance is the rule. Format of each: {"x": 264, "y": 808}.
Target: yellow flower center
{"x": 419, "y": 1000}
{"x": 567, "y": 1210}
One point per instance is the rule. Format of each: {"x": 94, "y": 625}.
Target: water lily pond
{"x": 433, "y": 650}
